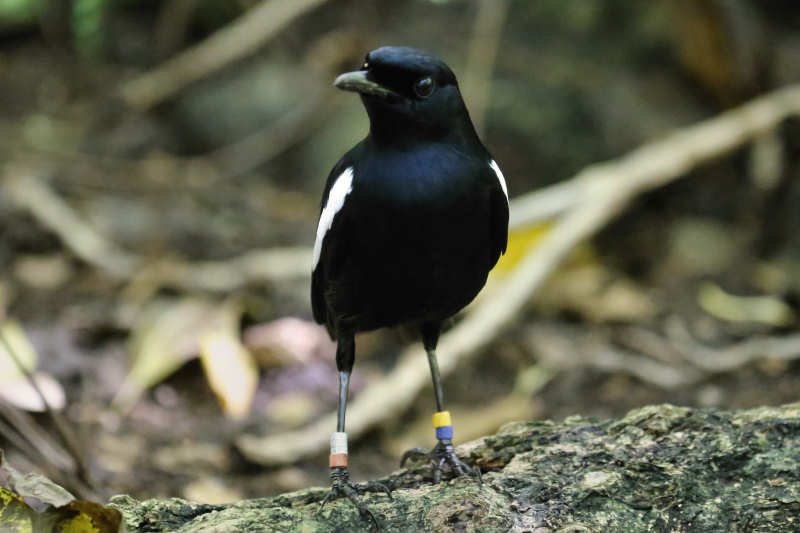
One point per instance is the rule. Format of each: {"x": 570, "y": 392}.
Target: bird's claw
{"x": 414, "y": 454}
{"x": 443, "y": 454}
{"x": 342, "y": 486}
{"x": 375, "y": 486}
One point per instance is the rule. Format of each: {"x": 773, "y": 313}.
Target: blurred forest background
{"x": 162, "y": 163}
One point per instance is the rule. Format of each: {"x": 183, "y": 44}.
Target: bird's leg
{"x": 444, "y": 452}
{"x": 340, "y": 477}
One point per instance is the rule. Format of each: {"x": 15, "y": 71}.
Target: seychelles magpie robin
{"x": 412, "y": 220}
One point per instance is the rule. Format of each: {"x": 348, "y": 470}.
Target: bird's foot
{"x": 342, "y": 486}
{"x": 442, "y": 455}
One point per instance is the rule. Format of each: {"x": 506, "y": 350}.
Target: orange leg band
{"x": 338, "y": 459}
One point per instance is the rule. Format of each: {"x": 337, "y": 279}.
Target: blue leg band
{"x": 444, "y": 433}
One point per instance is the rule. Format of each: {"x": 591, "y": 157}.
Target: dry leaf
{"x": 167, "y": 335}
{"x": 20, "y": 393}
{"x": 43, "y": 272}
{"x": 293, "y": 409}
{"x": 34, "y": 489}
{"x": 286, "y": 341}
{"x": 229, "y": 367}
{"x": 15, "y": 388}
{"x": 23, "y": 352}
{"x": 519, "y": 242}
{"x": 31, "y": 502}
{"x": 164, "y": 338}
{"x": 762, "y": 309}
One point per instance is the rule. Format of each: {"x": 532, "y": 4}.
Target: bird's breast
{"x": 418, "y": 236}
{"x": 428, "y": 176}
{"x": 423, "y": 216}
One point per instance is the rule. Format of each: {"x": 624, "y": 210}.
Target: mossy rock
{"x": 660, "y": 468}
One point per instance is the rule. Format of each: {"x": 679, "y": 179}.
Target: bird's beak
{"x": 357, "y": 82}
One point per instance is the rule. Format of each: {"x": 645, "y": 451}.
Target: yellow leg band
{"x": 442, "y": 418}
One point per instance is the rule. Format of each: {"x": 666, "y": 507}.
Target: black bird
{"x": 412, "y": 220}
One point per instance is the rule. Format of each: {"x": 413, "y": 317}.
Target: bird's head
{"x": 409, "y": 94}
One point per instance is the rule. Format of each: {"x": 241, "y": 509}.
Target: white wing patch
{"x": 340, "y": 189}
{"x": 500, "y": 177}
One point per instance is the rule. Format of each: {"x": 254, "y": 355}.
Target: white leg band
{"x": 338, "y": 442}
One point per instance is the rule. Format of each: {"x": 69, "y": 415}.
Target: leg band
{"x": 337, "y": 459}
{"x": 444, "y": 433}
{"x": 339, "y": 442}
{"x": 443, "y": 425}
{"x": 338, "y": 455}
{"x": 442, "y": 418}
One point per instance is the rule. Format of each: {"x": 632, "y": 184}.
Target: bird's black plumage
{"x": 426, "y": 218}
{"x": 412, "y": 220}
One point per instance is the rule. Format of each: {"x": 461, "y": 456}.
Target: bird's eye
{"x": 424, "y": 87}
{"x": 365, "y": 66}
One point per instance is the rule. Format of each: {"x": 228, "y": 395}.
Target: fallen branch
{"x": 274, "y": 265}
{"x": 260, "y": 147}
{"x": 668, "y": 363}
{"x": 481, "y": 56}
{"x": 647, "y": 167}
{"x": 604, "y": 191}
{"x": 64, "y": 431}
{"x": 271, "y": 265}
{"x": 717, "y": 360}
{"x": 29, "y": 193}
{"x": 233, "y": 42}
{"x": 571, "y": 347}
{"x": 545, "y": 203}
{"x": 785, "y": 348}
{"x": 660, "y": 162}
{"x": 598, "y": 194}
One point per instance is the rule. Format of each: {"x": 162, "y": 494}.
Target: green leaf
{"x": 19, "y": 12}
{"x": 87, "y": 26}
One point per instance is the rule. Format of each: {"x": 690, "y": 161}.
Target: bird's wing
{"x": 329, "y": 233}
{"x": 499, "y": 220}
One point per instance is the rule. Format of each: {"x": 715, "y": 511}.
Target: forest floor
{"x": 698, "y": 268}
